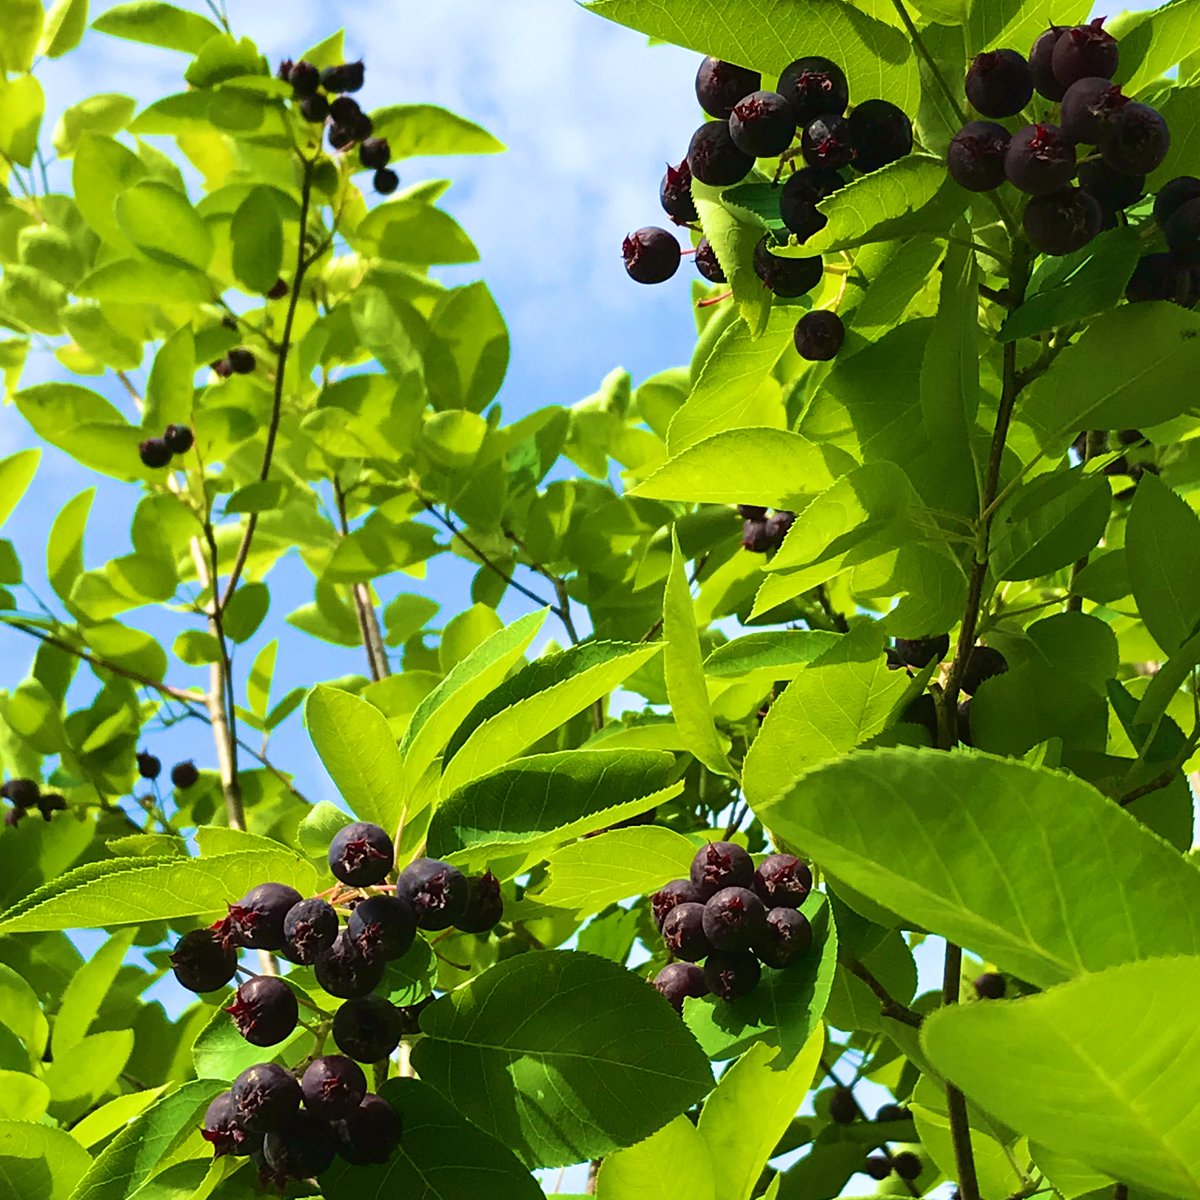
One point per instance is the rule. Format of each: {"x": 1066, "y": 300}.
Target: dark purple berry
{"x": 222, "y": 368}
{"x": 748, "y": 512}
{"x": 1173, "y": 194}
{"x": 201, "y": 963}
{"x": 975, "y": 158}
{"x": 990, "y": 986}
{"x": 892, "y": 1112}
{"x": 333, "y": 1086}
{"x": 814, "y": 86}
{"x": 410, "y": 1016}
{"x": 826, "y": 142}
{"x": 782, "y": 880}
{"x": 367, "y": 1029}
{"x": 50, "y": 804}
{"x": 922, "y": 711}
{"x": 799, "y": 197}
{"x": 222, "y": 1130}
{"x": 256, "y": 920}
{"x": 843, "y": 1108}
{"x": 678, "y": 891}
{"x": 1088, "y": 109}
{"x": 1182, "y": 230}
{"x": 303, "y": 1148}
{"x": 345, "y": 77}
{"x": 344, "y": 111}
{"x": 361, "y": 128}
{"x": 707, "y": 262}
{"x": 308, "y": 929}
{"x": 985, "y": 662}
{"x": 1161, "y": 277}
{"x": 370, "y": 1134}
{"x": 801, "y": 217}
{"x": 731, "y": 976}
{"x": 361, "y": 854}
{"x": 382, "y": 927}
{"x": 720, "y": 865}
{"x": 878, "y": 1166}
{"x": 24, "y": 793}
{"x": 345, "y": 971}
{"x": 264, "y": 1010}
{"x": 1040, "y": 159}
{"x": 485, "y": 905}
{"x": 1041, "y": 64}
{"x": 314, "y": 109}
{"x": 385, "y": 181}
{"x": 678, "y": 980}
{"x": 675, "y": 193}
{"x": 651, "y": 255}
{"x": 787, "y": 277}
{"x": 375, "y": 153}
{"x": 734, "y": 919}
{"x": 920, "y": 652}
{"x": 778, "y": 525}
{"x": 242, "y": 361}
{"x": 1113, "y": 191}
{"x": 179, "y": 438}
{"x": 999, "y": 83}
{"x": 1084, "y": 51}
{"x": 683, "y": 932}
{"x": 880, "y": 134}
{"x": 340, "y": 137}
{"x": 762, "y": 124}
{"x": 154, "y": 453}
{"x": 437, "y": 892}
{"x": 756, "y": 538}
{"x": 786, "y": 938}
{"x": 713, "y": 158}
{"x": 1062, "y": 222}
{"x": 304, "y": 78}
{"x": 1137, "y": 140}
{"x": 184, "y": 775}
{"x": 266, "y": 1096}
{"x": 819, "y": 335}
{"x": 720, "y": 85}
{"x": 285, "y": 70}
{"x": 907, "y": 1165}
{"x": 148, "y": 766}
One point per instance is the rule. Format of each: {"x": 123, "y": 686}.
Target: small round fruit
{"x": 1137, "y": 140}
{"x": 223, "y": 1131}
{"x": 713, "y": 158}
{"x": 361, "y": 854}
{"x": 878, "y": 1166}
{"x": 148, "y": 766}
{"x": 264, "y": 1010}
{"x": 975, "y": 158}
{"x": 778, "y": 525}
{"x": 344, "y": 111}
{"x": 1089, "y": 107}
{"x": 920, "y": 652}
{"x": 333, "y": 1086}
{"x": 799, "y": 197}
{"x": 786, "y": 277}
{"x": 651, "y": 255}
{"x": 1040, "y": 159}
{"x": 827, "y": 142}
{"x": 985, "y": 662}
{"x": 734, "y": 919}
{"x": 309, "y": 928}
{"x": 375, "y": 153}
{"x": 819, "y": 335}
{"x": 679, "y": 980}
{"x": 922, "y": 711}
{"x": 202, "y": 963}
{"x": 1173, "y": 194}
{"x": 24, "y": 793}
{"x": 880, "y": 133}
{"x": 382, "y": 927}
{"x": 485, "y": 905}
{"x": 990, "y": 986}
{"x": 907, "y": 1165}
{"x": 675, "y": 194}
{"x": 304, "y": 78}
{"x": 266, "y": 1096}
{"x": 1041, "y": 64}
{"x": 314, "y": 109}
{"x": 731, "y": 976}
{"x": 345, "y": 77}
{"x": 999, "y": 83}
{"x": 786, "y": 938}
{"x": 720, "y": 865}
{"x": 385, "y": 181}
{"x": 256, "y": 920}
{"x": 783, "y": 880}
{"x": 707, "y": 262}
{"x": 1083, "y": 51}
{"x": 843, "y": 1108}
{"x": 720, "y": 85}
{"x": 748, "y": 512}
{"x": 1182, "y": 230}
{"x": 1062, "y": 222}
{"x": 368, "y": 1029}
{"x": 814, "y": 86}
{"x": 241, "y": 360}
{"x": 756, "y": 537}
{"x": 344, "y": 971}
{"x": 1160, "y": 277}
{"x": 410, "y": 1017}
{"x": 1113, "y": 190}
{"x": 892, "y": 1112}
{"x": 762, "y": 124}
{"x": 304, "y": 1147}
{"x": 370, "y": 1134}
{"x": 184, "y": 775}
{"x": 437, "y": 892}
{"x": 179, "y": 438}
{"x": 221, "y": 368}
{"x": 683, "y": 932}
{"x": 154, "y": 453}
{"x": 678, "y": 891}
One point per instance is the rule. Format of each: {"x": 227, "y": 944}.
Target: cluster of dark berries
{"x": 158, "y": 452}
{"x": 26, "y": 794}
{"x": 762, "y": 534}
{"x": 1097, "y": 442}
{"x": 844, "y": 1110}
{"x": 1173, "y": 274}
{"x": 238, "y": 361}
{"x": 1122, "y": 140}
{"x": 984, "y": 663}
{"x": 322, "y": 97}
{"x": 733, "y": 919}
{"x": 183, "y": 774}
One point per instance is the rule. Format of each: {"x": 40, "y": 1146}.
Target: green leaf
{"x": 246, "y": 611}
{"x": 21, "y": 116}
{"x": 106, "y": 1120}
{"x": 410, "y": 231}
{"x": 1121, "y": 1097}
{"x": 442, "y": 1156}
{"x": 87, "y": 990}
{"x": 220, "y": 1052}
{"x": 64, "y": 549}
{"x": 16, "y": 474}
{"x": 1162, "y": 547}
{"x": 257, "y": 233}
{"x": 684, "y": 670}
{"x": 39, "y": 1162}
{"x": 64, "y": 27}
{"x": 172, "y": 383}
{"x": 21, "y": 1012}
{"x": 676, "y": 1152}
{"x": 733, "y": 235}
{"x": 130, "y": 891}
{"x": 162, "y": 224}
{"x": 157, "y": 24}
{"x": 952, "y": 843}
{"x": 76, "y": 1084}
{"x": 359, "y": 752}
{"x": 22, "y": 22}
{"x": 107, "y": 114}
{"x": 136, "y": 281}
{"x": 562, "y": 1056}
{"x": 779, "y": 653}
{"x": 197, "y": 647}
{"x": 1154, "y": 42}
{"x": 422, "y": 130}
{"x": 23, "y": 1098}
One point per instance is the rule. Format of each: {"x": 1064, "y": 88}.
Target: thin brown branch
{"x": 956, "y": 1102}
{"x": 368, "y": 619}
{"x": 889, "y": 1006}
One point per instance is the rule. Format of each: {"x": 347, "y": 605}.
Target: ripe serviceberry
{"x": 707, "y": 262}
{"x": 1182, "y": 230}
{"x": 241, "y": 360}
{"x": 385, "y": 181}
{"x": 179, "y": 438}
{"x": 787, "y": 277}
{"x": 782, "y": 880}
{"x": 1088, "y": 109}
{"x": 975, "y": 158}
{"x": 1062, "y": 222}
{"x": 344, "y": 111}
{"x": 778, "y": 525}
{"x": 382, "y": 927}
{"x": 1137, "y": 140}
{"x": 721, "y": 865}
{"x": 985, "y": 662}
{"x": 148, "y": 766}
{"x": 678, "y": 891}
{"x": 679, "y": 980}
{"x": 826, "y": 142}
{"x": 1041, "y": 65}
{"x": 1173, "y": 194}
{"x": 990, "y": 986}
{"x": 799, "y": 197}
{"x": 920, "y": 652}
{"x": 304, "y": 1147}
{"x": 277, "y": 290}
{"x": 880, "y": 134}
{"x": 285, "y": 70}
{"x": 922, "y": 711}
{"x": 786, "y": 938}
{"x": 762, "y": 124}
{"x": 819, "y": 335}
{"x": 222, "y": 368}
{"x": 201, "y": 962}
{"x": 304, "y": 78}
{"x": 814, "y": 86}
{"x": 361, "y": 854}
{"x": 223, "y": 1131}
{"x": 410, "y": 1016}
{"x": 1113, "y": 190}
{"x": 264, "y": 1010}
{"x": 375, "y": 153}
{"x": 266, "y": 1096}
{"x": 256, "y": 920}
{"x": 1083, "y": 51}
{"x": 713, "y": 158}
{"x": 877, "y": 1166}
{"x": 756, "y": 537}
{"x": 345, "y": 971}
{"x": 485, "y": 905}
{"x": 154, "y": 453}
{"x": 437, "y": 892}
{"x": 731, "y": 976}
{"x": 309, "y": 928}
{"x": 24, "y": 793}
{"x": 720, "y": 85}
{"x": 333, "y": 1086}
{"x": 370, "y": 1134}
{"x": 368, "y": 1029}
{"x": 675, "y": 194}
{"x": 907, "y": 1165}
{"x": 748, "y": 512}
{"x": 345, "y": 77}
{"x": 651, "y": 255}
{"x": 1161, "y": 277}
{"x": 843, "y": 1108}
{"x": 683, "y": 932}
{"x": 1040, "y": 159}
{"x": 50, "y": 804}
{"x": 734, "y": 919}
{"x": 892, "y": 1112}
{"x": 999, "y": 83}
{"x": 341, "y": 137}
{"x": 315, "y": 109}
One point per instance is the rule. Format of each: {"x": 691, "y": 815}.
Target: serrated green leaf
{"x": 676, "y": 1152}
{"x": 39, "y": 1162}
